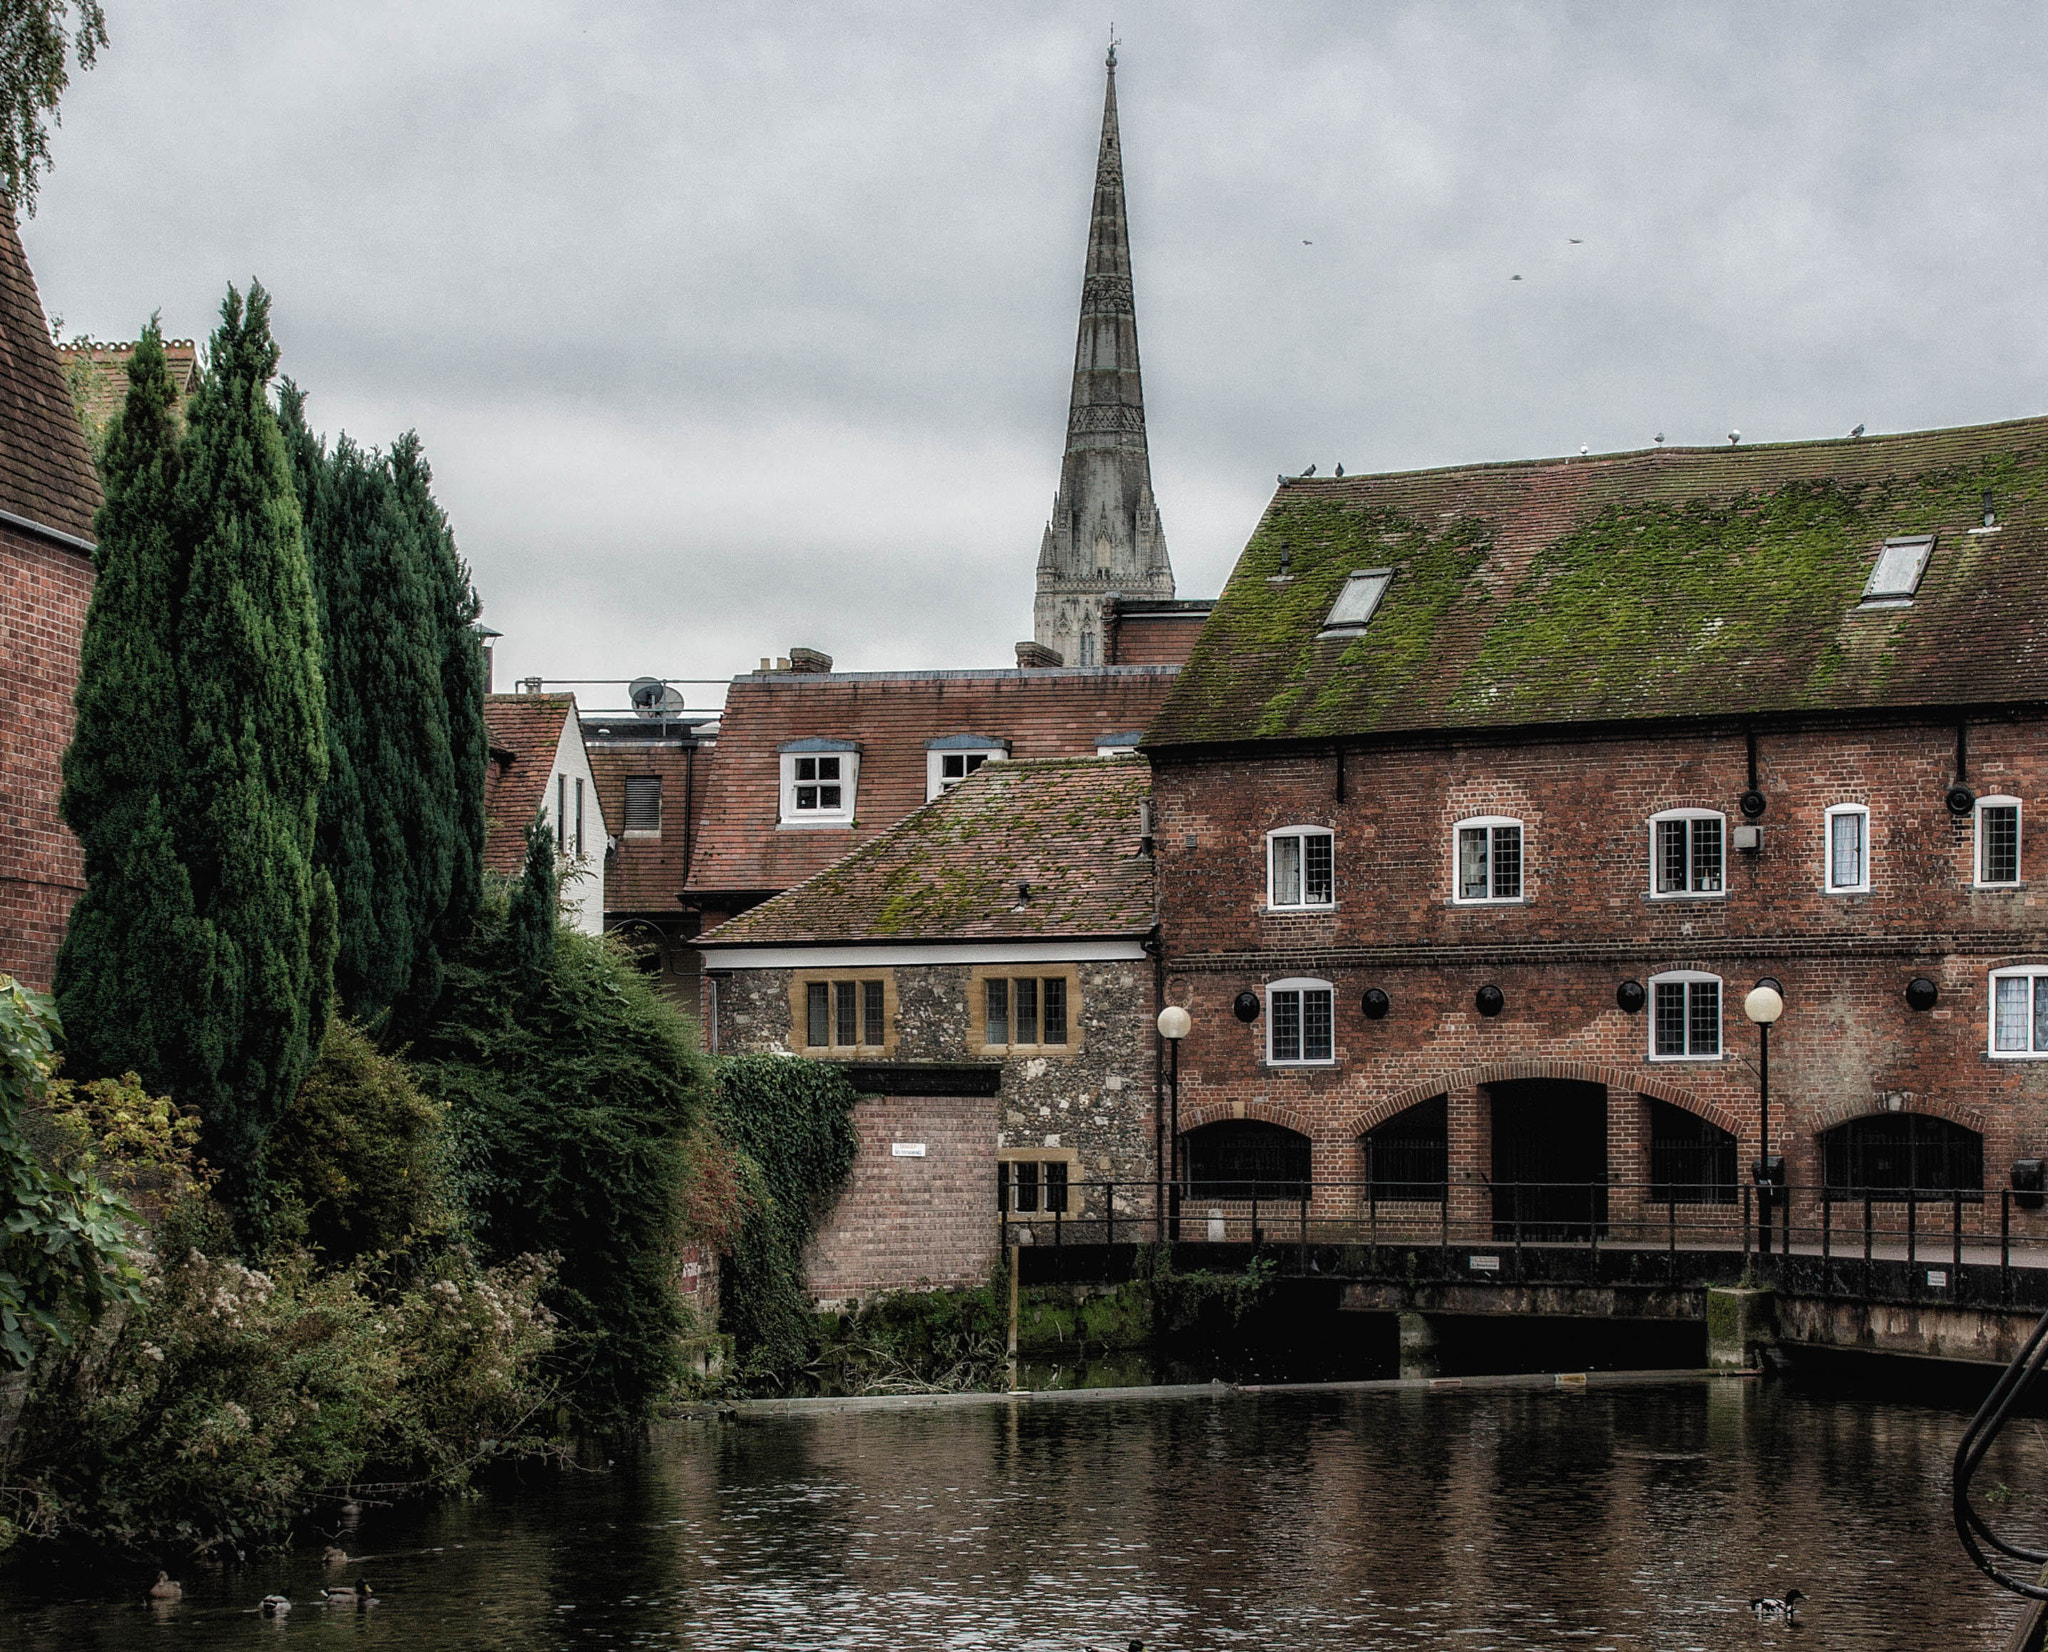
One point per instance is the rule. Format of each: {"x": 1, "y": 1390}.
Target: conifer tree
{"x": 532, "y": 912}
{"x": 210, "y": 897}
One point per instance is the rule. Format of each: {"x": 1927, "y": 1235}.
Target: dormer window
{"x": 1357, "y": 602}
{"x": 818, "y": 779}
{"x": 951, "y": 760}
{"x": 1899, "y": 567}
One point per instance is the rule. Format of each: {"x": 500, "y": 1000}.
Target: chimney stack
{"x": 809, "y": 662}
{"x": 1035, "y": 656}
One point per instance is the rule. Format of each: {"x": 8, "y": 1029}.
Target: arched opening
{"x": 1409, "y": 1156}
{"x": 1692, "y": 1160}
{"x": 1246, "y": 1159}
{"x": 643, "y": 944}
{"x": 1902, "y": 1156}
{"x": 1549, "y": 1159}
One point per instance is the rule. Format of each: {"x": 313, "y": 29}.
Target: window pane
{"x": 1287, "y": 871}
{"x": 2041, "y": 1012}
{"x": 1055, "y": 1184}
{"x": 818, "y": 1013}
{"x": 1027, "y": 1185}
{"x": 1670, "y": 856}
{"x": 1671, "y": 1018}
{"x": 828, "y": 797}
{"x": 1317, "y": 879}
{"x": 828, "y": 768}
{"x": 807, "y": 768}
{"x": 1055, "y": 1010}
{"x": 1848, "y": 841}
{"x": 1315, "y": 1026}
{"x": 847, "y": 1030}
{"x": 1705, "y": 1028}
{"x": 1507, "y": 863}
{"x": 1027, "y": 1011}
{"x": 872, "y": 1030}
{"x": 953, "y": 767}
{"x": 1286, "y": 1026}
{"x": 2009, "y": 1013}
{"x": 1472, "y": 881}
{"x": 998, "y": 1029}
{"x": 974, "y": 763}
{"x": 1706, "y": 857}
{"x": 807, "y": 797}
{"x": 1998, "y": 834}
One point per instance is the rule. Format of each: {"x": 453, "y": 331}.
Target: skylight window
{"x": 1899, "y": 567}
{"x": 1358, "y": 600}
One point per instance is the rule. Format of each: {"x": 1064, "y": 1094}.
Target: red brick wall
{"x": 44, "y": 590}
{"x": 1148, "y": 641}
{"x": 1848, "y": 1044}
{"x": 913, "y": 1223}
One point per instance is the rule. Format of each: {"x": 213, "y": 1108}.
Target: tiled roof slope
{"x": 1669, "y": 583}
{"x": 1067, "y": 827}
{"x": 46, "y": 474}
{"x": 1056, "y": 713}
{"x": 529, "y": 726}
{"x": 645, "y": 874}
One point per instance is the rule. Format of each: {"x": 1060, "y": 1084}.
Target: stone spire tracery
{"x": 1104, "y": 536}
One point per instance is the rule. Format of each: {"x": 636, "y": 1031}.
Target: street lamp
{"x": 1765, "y": 1003}
{"x": 1174, "y": 1025}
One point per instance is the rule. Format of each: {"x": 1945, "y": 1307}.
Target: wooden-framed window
{"x": 843, "y": 1013}
{"x": 1687, "y": 853}
{"x": 1487, "y": 861}
{"x": 1024, "y": 1008}
{"x": 1301, "y": 1024}
{"x": 2019, "y": 1013}
{"x": 1685, "y": 1016}
{"x": 1037, "y": 1182}
{"x": 1998, "y": 842}
{"x": 951, "y": 760}
{"x": 1846, "y": 850}
{"x": 819, "y": 778}
{"x": 1301, "y": 868}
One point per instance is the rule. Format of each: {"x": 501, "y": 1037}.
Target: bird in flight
{"x": 1575, "y": 240}
{"x": 1514, "y": 278}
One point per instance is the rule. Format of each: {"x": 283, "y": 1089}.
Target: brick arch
{"x": 1225, "y": 1112}
{"x": 1629, "y": 1080}
{"x": 1843, "y": 1112}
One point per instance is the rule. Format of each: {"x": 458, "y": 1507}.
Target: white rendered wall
{"x": 582, "y": 880}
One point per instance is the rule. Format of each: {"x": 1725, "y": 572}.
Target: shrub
{"x": 359, "y": 1162}
{"x": 573, "y": 1089}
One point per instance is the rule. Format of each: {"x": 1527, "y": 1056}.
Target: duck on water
{"x": 1785, "y": 1608}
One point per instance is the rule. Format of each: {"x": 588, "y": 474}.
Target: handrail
{"x": 1985, "y": 1427}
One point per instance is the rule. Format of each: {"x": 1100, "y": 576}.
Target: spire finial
{"x": 1110, "y": 61}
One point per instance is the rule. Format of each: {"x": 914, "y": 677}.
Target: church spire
{"x": 1104, "y": 536}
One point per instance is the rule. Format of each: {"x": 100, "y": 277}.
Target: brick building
{"x": 811, "y": 764}
{"x": 1489, "y": 794}
{"x": 538, "y": 765}
{"x": 983, "y": 969}
{"x": 49, "y": 493}
{"x": 98, "y": 376}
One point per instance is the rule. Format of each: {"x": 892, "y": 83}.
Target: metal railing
{"x": 1985, "y": 1427}
{"x": 1930, "y": 1245}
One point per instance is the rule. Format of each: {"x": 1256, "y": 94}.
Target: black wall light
{"x": 1245, "y": 1006}
{"x": 1489, "y": 1000}
{"x": 1631, "y": 997}
{"x": 1960, "y": 799}
{"x": 1922, "y": 994}
{"x": 1752, "y": 803}
{"x": 1375, "y": 1004}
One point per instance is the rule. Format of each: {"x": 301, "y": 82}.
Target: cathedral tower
{"x": 1104, "y": 538}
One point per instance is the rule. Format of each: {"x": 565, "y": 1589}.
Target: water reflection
{"x": 1620, "y": 1518}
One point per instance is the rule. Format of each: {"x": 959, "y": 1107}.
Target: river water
{"x": 1626, "y": 1517}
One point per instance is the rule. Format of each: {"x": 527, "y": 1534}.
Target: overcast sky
{"x": 730, "y": 327}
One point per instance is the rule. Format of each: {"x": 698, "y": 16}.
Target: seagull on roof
{"x": 1858, "y": 431}
{"x": 1583, "y": 450}
{"x": 1734, "y": 436}
{"x": 1659, "y": 438}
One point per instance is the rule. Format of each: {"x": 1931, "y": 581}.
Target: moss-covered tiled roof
{"x": 1066, "y": 827}
{"x": 1671, "y": 583}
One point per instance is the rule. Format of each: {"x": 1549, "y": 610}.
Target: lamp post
{"x": 1174, "y": 1025}
{"x": 1765, "y": 1003}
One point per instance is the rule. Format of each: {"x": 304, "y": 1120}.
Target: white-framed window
{"x": 1301, "y": 868}
{"x": 1998, "y": 842}
{"x": 1896, "y": 575}
{"x": 1847, "y": 849}
{"x": 1685, "y": 1016}
{"x": 818, "y": 780}
{"x": 1301, "y": 1024}
{"x": 1358, "y": 599}
{"x": 1487, "y": 860}
{"x": 2019, "y": 1013}
{"x": 1688, "y": 853}
{"x": 949, "y": 761}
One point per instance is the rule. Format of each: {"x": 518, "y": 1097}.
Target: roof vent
{"x": 1358, "y": 601}
{"x": 1899, "y": 567}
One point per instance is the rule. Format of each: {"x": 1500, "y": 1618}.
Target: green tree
{"x": 35, "y": 55}
{"x": 398, "y": 833}
{"x": 207, "y": 890}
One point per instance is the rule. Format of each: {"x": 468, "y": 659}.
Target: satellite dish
{"x": 652, "y": 697}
